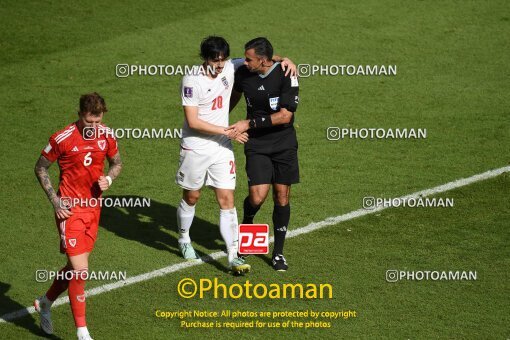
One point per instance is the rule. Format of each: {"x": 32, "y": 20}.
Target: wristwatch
{"x": 252, "y": 124}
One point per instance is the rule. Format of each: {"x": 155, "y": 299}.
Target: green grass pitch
{"x": 453, "y": 80}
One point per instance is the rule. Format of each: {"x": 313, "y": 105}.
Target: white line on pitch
{"x": 292, "y": 233}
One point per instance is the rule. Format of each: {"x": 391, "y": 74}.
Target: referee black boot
{"x": 279, "y": 263}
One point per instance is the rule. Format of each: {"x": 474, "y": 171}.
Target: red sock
{"x": 77, "y": 297}
{"x": 59, "y": 285}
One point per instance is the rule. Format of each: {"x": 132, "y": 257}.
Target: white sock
{"x": 185, "y": 214}
{"x": 82, "y": 331}
{"x": 229, "y": 231}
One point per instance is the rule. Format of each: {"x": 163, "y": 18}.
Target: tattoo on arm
{"x": 115, "y": 166}
{"x": 41, "y": 172}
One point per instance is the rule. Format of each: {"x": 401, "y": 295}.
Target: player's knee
{"x": 191, "y": 201}
{"x": 225, "y": 199}
{"x": 226, "y": 203}
{"x": 80, "y": 275}
{"x": 257, "y": 200}
{"x": 281, "y": 198}
{"x": 191, "y": 197}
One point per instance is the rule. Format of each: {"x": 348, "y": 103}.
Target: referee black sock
{"x": 249, "y": 211}
{"x": 281, "y": 218}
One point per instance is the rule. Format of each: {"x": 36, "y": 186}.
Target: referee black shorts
{"x": 272, "y": 161}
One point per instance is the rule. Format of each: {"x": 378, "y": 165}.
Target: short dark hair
{"x": 262, "y": 46}
{"x": 213, "y": 47}
{"x": 93, "y": 103}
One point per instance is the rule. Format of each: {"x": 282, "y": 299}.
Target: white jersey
{"x": 212, "y": 97}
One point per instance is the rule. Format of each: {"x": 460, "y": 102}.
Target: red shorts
{"x": 78, "y": 233}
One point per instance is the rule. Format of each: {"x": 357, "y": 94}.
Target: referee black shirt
{"x": 266, "y": 94}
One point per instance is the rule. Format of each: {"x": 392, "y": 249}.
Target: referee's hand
{"x": 239, "y": 127}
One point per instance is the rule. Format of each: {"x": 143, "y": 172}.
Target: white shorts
{"x": 212, "y": 167}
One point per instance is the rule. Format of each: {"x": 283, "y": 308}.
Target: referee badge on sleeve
{"x": 273, "y": 102}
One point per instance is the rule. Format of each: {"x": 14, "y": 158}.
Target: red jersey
{"x": 81, "y": 161}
